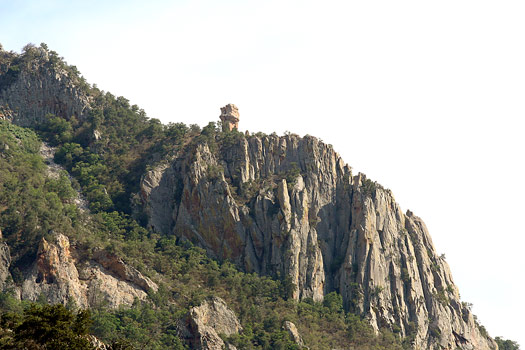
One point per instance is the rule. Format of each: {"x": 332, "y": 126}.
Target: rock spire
{"x": 229, "y": 117}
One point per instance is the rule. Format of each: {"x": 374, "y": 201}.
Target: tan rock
{"x": 294, "y": 333}
{"x": 60, "y": 278}
{"x": 230, "y": 117}
{"x": 116, "y": 265}
{"x": 207, "y": 321}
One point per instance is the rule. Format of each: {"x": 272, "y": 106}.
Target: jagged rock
{"x": 60, "y": 278}
{"x": 294, "y": 333}
{"x": 230, "y": 117}
{"x": 42, "y": 89}
{"x": 207, "y": 321}
{"x": 114, "y": 264}
{"x": 289, "y": 206}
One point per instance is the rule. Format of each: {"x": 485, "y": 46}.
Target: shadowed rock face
{"x": 290, "y": 206}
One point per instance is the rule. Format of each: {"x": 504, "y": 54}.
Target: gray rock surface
{"x": 290, "y": 206}
{"x": 207, "y": 321}
{"x": 42, "y": 88}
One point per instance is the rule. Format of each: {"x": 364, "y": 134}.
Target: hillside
{"x": 276, "y": 226}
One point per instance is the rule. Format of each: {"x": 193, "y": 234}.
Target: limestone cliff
{"x": 289, "y": 206}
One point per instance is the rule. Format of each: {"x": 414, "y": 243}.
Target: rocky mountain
{"x": 287, "y": 207}
{"x": 290, "y": 206}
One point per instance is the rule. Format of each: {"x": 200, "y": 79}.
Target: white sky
{"x": 426, "y": 97}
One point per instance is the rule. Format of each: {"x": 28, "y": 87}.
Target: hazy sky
{"x": 426, "y": 97}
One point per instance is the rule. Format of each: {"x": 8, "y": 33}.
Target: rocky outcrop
{"x": 229, "y": 117}
{"x": 293, "y": 332}
{"x": 289, "y": 206}
{"x": 207, "y": 321}
{"x": 39, "y": 85}
{"x": 61, "y": 278}
{"x": 117, "y": 266}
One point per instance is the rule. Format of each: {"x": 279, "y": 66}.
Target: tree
{"x": 333, "y": 301}
{"x": 506, "y": 344}
{"x": 52, "y": 327}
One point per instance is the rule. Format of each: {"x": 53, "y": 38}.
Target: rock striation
{"x": 290, "y": 207}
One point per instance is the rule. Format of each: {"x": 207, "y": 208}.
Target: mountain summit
{"x": 285, "y": 207}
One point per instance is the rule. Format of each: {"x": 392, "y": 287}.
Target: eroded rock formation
{"x": 289, "y": 206}
{"x": 207, "y": 321}
{"x": 229, "y": 117}
{"x": 61, "y": 277}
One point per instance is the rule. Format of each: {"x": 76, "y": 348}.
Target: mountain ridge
{"x": 286, "y": 207}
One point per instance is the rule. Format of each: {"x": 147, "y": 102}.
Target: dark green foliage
{"x": 45, "y": 327}
{"x": 292, "y": 174}
{"x": 230, "y": 138}
{"x": 505, "y": 344}
{"x": 56, "y": 130}
{"x": 368, "y": 187}
{"x": 267, "y": 335}
{"x": 142, "y": 326}
{"x": 334, "y": 302}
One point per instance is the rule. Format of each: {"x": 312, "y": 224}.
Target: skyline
{"x": 423, "y": 98}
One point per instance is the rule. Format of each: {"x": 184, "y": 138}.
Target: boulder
{"x": 208, "y": 321}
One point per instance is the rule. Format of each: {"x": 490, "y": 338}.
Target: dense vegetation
{"x": 37, "y": 326}
{"x": 31, "y": 204}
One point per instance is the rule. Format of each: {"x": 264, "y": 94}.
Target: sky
{"x": 425, "y": 97}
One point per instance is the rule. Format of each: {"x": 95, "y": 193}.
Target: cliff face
{"x": 289, "y": 206}
{"x": 32, "y": 87}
